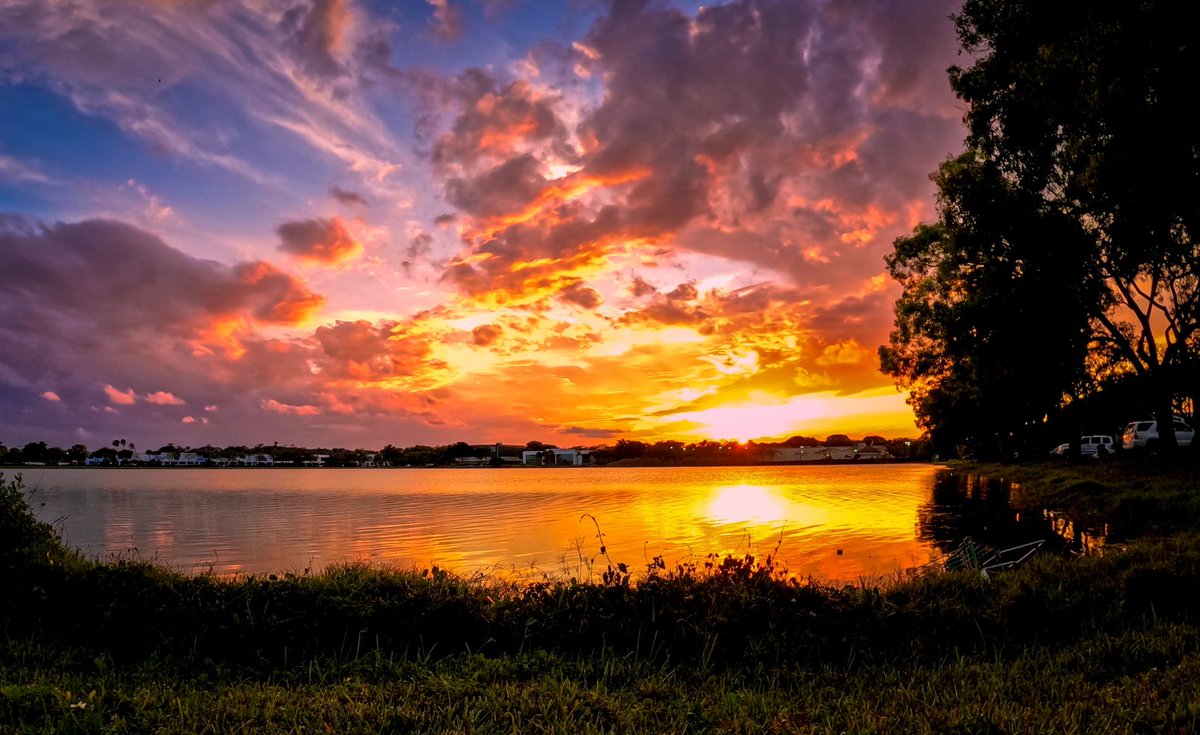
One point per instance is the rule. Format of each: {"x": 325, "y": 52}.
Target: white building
{"x": 256, "y": 460}
{"x": 557, "y": 457}
{"x": 171, "y": 459}
{"x": 837, "y": 454}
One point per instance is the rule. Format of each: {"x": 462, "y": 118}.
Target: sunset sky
{"x": 353, "y": 223}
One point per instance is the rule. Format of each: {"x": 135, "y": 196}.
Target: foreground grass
{"x": 1144, "y": 681}
{"x": 1108, "y": 644}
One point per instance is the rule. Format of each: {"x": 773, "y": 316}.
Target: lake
{"x": 838, "y": 523}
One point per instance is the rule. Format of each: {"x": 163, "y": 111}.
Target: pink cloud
{"x": 163, "y": 398}
{"x": 753, "y": 132}
{"x": 270, "y": 404}
{"x": 446, "y": 21}
{"x": 50, "y": 396}
{"x": 318, "y": 35}
{"x": 121, "y": 398}
{"x": 187, "y": 420}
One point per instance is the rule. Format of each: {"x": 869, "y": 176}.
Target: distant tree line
{"x": 668, "y": 452}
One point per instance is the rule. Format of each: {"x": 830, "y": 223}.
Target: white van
{"x": 1096, "y": 445}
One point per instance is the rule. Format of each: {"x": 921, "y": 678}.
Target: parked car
{"x": 1096, "y": 445}
{"x": 1140, "y": 434}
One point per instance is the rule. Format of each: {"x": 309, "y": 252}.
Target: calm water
{"x": 838, "y": 522}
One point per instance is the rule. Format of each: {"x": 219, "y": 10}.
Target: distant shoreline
{"x": 619, "y": 464}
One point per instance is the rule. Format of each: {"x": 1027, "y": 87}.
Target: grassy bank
{"x": 1108, "y": 644}
{"x": 1135, "y": 497}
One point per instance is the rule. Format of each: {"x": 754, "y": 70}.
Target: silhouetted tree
{"x": 991, "y": 327}
{"x": 1086, "y": 110}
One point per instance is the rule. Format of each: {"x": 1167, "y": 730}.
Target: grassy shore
{"x": 1134, "y": 496}
{"x": 1066, "y": 644}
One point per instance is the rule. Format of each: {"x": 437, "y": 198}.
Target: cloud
{"x": 447, "y": 19}
{"x": 497, "y": 120}
{"x": 666, "y": 311}
{"x": 300, "y": 70}
{"x": 188, "y": 420}
{"x": 363, "y": 351}
{"x": 163, "y": 398}
{"x": 50, "y": 395}
{"x": 699, "y": 196}
{"x": 275, "y": 406}
{"x": 844, "y": 352}
{"x": 640, "y": 288}
{"x": 580, "y": 295}
{"x": 275, "y": 297}
{"x": 349, "y": 197}
{"x": 496, "y": 9}
{"x": 684, "y": 292}
{"x": 508, "y": 188}
{"x": 17, "y": 170}
{"x": 320, "y": 241}
{"x": 485, "y": 334}
{"x": 128, "y": 312}
{"x": 119, "y": 397}
{"x": 590, "y": 433}
{"x": 317, "y": 35}
{"x": 785, "y": 134}
{"x": 117, "y": 278}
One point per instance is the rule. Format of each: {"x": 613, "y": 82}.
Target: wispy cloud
{"x": 298, "y": 71}
{"x": 24, "y": 171}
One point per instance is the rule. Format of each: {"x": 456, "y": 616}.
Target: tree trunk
{"x": 1165, "y": 416}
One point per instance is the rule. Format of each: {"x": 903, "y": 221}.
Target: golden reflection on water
{"x": 836, "y": 523}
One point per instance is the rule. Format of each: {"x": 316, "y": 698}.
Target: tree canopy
{"x": 1065, "y": 250}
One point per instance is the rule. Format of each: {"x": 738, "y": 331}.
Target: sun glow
{"x": 878, "y": 411}
{"x": 752, "y": 504}
{"x": 754, "y": 421}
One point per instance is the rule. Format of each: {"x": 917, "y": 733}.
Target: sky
{"x": 355, "y": 223}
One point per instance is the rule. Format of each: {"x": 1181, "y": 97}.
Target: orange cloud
{"x": 121, "y": 398}
{"x": 319, "y": 241}
{"x": 845, "y": 352}
{"x": 281, "y": 299}
{"x": 485, "y": 334}
{"x": 496, "y": 121}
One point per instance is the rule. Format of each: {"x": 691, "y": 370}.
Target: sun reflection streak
{"x": 757, "y": 505}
